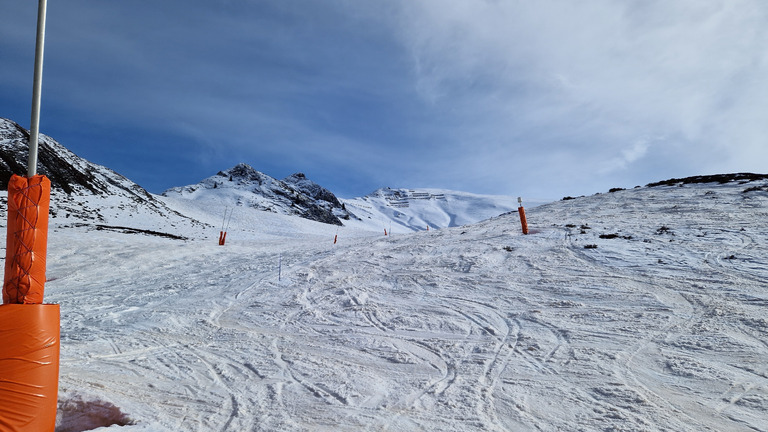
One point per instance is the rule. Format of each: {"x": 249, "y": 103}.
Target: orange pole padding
{"x": 523, "y": 221}
{"x": 221, "y": 234}
{"x": 385, "y": 231}
{"x": 336, "y": 237}
{"x": 224, "y": 238}
{"x": 27, "y": 239}
{"x": 29, "y": 367}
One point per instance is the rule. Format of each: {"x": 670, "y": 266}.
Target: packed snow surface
{"x": 635, "y": 310}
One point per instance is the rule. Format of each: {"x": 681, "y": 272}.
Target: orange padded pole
{"x": 29, "y": 367}
{"x": 27, "y": 239}
{"x": 521, "y": 211}
{"x": 523, "y": 222}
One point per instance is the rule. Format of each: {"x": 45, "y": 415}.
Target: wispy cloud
{"x": 600, "y": 76}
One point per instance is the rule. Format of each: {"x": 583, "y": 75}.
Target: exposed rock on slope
{"x": 242, "y": 185}
{"x": 715, "y": 178}
{"x": 81, "y": 191}
{"x": 68, "y": 172}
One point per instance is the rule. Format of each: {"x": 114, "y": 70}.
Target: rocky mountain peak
{"x": 242, "y": 185}
{"x": 301, "y": 183}
{"x": 243, "y": 172}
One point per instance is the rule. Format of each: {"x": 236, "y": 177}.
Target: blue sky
{"x": 542, "y": 98}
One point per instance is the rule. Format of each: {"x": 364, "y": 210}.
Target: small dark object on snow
{"x": 613, "y": 236}
{"x": 128, "y": 230}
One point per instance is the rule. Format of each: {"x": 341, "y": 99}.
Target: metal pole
{"x": 34, "y": 128}
{"x": 224, "y": 221}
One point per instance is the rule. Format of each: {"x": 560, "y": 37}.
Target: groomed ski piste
{"x": 642, "y": 309}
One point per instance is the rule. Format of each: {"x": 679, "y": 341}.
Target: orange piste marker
{"x": 29, "y": 330}
{"x": 521, "y": 211}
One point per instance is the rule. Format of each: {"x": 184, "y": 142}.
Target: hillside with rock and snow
{"x": 83, "y": 192}
{"x": 399, "y": 210}
{"x": 93, "y": 195}
{"x": 641, "y": 309}
{"x": 243, "y": 186}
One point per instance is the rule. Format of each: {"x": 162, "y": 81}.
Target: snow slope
{"x": 658, "y": 325}
{"x": 409, "y": 210}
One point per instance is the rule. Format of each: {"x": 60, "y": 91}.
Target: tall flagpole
{"x": 37, "y": 89}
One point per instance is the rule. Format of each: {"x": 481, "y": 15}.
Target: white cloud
{"x": 601, "y": 75}
{"x": 628, "y": 156}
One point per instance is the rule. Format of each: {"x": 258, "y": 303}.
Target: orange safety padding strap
{"x": 29, "y": 367}
{"x": 27, "y": 239}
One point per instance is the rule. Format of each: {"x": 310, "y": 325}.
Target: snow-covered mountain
{"x": 408, "y": 210}
{"x": 87, "y": 193}
{"x": 68, "y": 173}
{"x": 399, "y": 210}
{"x": 84, "y": 192}
{"x": 243, "y": 186}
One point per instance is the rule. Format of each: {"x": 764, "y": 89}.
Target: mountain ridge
{"x": 92, "y": 193}
{"x": 82, "y": 191}
{"x": 242, "y": 185}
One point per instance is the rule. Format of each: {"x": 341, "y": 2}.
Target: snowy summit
{"x": 242, "y": 185}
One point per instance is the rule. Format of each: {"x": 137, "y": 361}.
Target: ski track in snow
{"x": 475, "y": 328}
